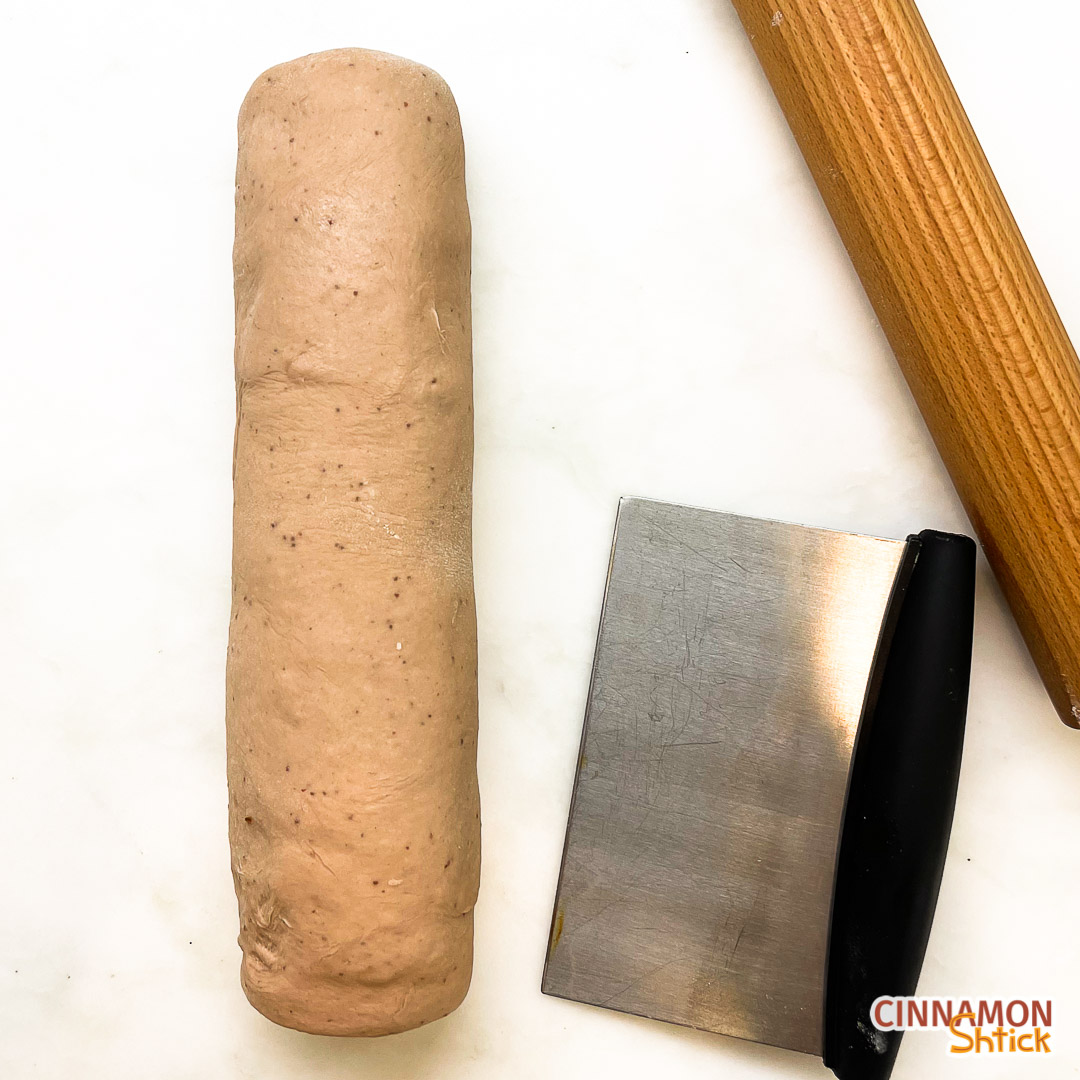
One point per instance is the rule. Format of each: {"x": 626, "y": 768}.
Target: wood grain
{"x": 954, "y": 287}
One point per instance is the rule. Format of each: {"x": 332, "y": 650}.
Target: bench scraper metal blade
{"x": 767, "y": 776}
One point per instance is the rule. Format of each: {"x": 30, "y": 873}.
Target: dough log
{"x": 354, "y": 816}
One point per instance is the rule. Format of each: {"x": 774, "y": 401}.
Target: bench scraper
{"x": 767, "y": 776}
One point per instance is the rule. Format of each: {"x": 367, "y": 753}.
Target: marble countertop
{"x": 662, "y": 308}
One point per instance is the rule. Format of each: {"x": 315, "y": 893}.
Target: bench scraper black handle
{"x": 899, "y": 809}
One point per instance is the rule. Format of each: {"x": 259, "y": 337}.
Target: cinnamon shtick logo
{"x": 985, "y": 1027}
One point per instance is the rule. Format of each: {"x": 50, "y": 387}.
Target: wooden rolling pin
{"x": 954, "y": 287}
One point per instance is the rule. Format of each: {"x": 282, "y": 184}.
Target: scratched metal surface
{"x": 730, "y": 672}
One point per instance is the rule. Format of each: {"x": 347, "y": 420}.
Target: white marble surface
{"x": 661, "y": 308}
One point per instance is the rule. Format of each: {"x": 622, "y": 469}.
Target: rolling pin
{"x": 954, "y": 287}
